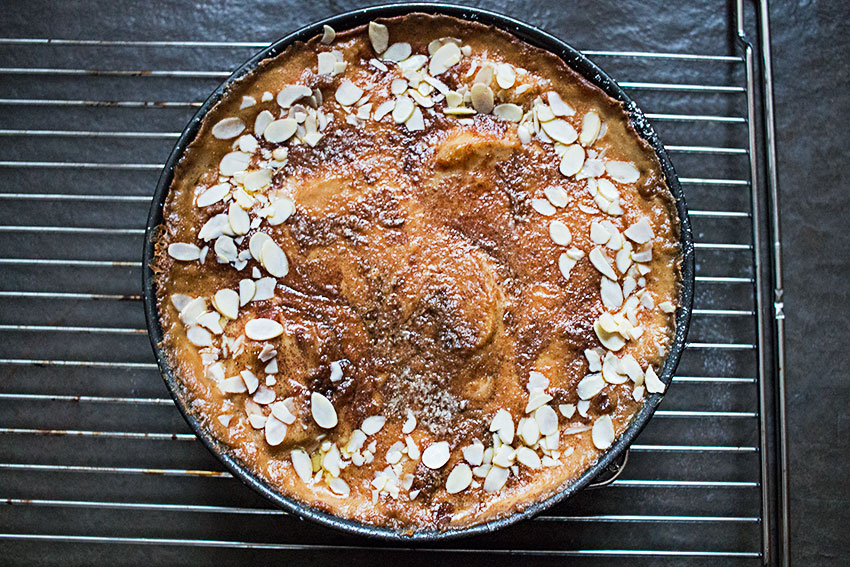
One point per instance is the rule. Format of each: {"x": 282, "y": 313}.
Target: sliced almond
{"x": 528, "y": 458}
{"x": 403, "y": 110}
{"x": 247, "y": 102}
{"x": 567, "y": 410}
{"x": 379, "y": 36}
{"x": 184, "y": 251}
{"x": 409, "y": 424}
{"x": 225, "y": 249}
{"x": 416, "y": 122}
{"x": 339, "y": 487}
{"x": 255, "y": 245}
{"x": 529, "y": 431}
{"x": 560, "y": 131}
{"x": 653, "y": 383}
{"x": 328, "y": 35}
{"x": 640, "y": 232}
{"x": 240, "y": 222}
{"x": 283, "y": 412}
{"x": 603, "y": 432}
{"x": 233, "y": 385}
{"x": 599, "y": 234}
{"x": 547, "y": 420}
{"x": 612, "y": 294}
{"x": 572, "y": 160}
{"x": 326, "y": 63}
{"x": 496, "y": 479}
{"x": 251, "y": 380}
{"x": 323, "y": 411}
{"x": 474, "y": 454}
{"x": 622, "y": 171}
{"x": 590, "y": 386}
{"x": 590, "y": 126}
{"x": 505, "y": 75}
{"x": 234, "y": 162}
{"x": 228, "y": 128}
{"x": 348, "y": 93}
{"x": 226, "y": 302}
{"x": 199, "y": 336}
{"x": 383, "y": 109}
{"x": 508, "y": 112}
{"x": 600, "y": 262}
{"x": 482, "y": 98}
{"x": 263, "y": 329}
{"x": 262, "y": 121}
{"x": 291, "y": 93}
{"x": 444, "y": 59}
{"x": 302, "y": 465}
{"x": 543, "y": 207}
{"x": 436, "y": 455}
{"x": 274, "y": 259}
{"x": 336, "y": 371}
{"x": 397, "y": 52}
{"x": 275, "y": 431}
{"x": 566, "y": 265}
{"x": 373, "y": 424}
{"x": 610, "y": 340}
{"x": 283, "y": 209}
{"x": 558, "y": 106}
{"x": 560, "y": 233}
{"x": 281, "y": 130}
{"x": 557, "y": 196}
{"x": 213, "y": 195}
{"x": 503, "y": 425}
{"x": 459, "y": 479}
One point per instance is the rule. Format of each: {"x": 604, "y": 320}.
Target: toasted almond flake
{"x": 280, "y": 130}
{"x": 459, "y": 110}
{"x": 225, "y": 249}
{"x": 622, "y": 171}
{"x": 233, "y": 385}
{"x": 590, "y": 386}
{"x": 529, "y": 431}
{"x": 283, "y": 209}
{"x": 328, "y": 35}
{"x": 240, "y": 223}
{"x": 459, "y": 479}
{"x": 265, "y": 289}
{"x": 262, "y": 121}
{"x": 567, "y": 410}
{"x": 547, "y": 420}
{"x": 436, "y": 455}
{"x": 373, "y": 424}
{"x": 560, "y": 131}
{"x": 505, "y": 75}
{"x": 184, "y": 251}
{"x": 199, "y": 336}
{"x": 193, "y": 310}
{"x": 654, "y": 385}
{"x": 572, "y": 160}
{"x": 599, "y": 234}
{"x": 444, "y": 59}
{"x": 274, "y": 259}
{"x": 536, "y": 399}
{"x": 496, "y": 479}
{"x": 610, "y": 340}
{"x": 528, "y": 458}
{"x": 558, "y": 106}
{"x": 251, "y": 380}
{"x": 474, "y": 454}
{"x": 640, "y": 232}
{"x": 600, "y": 262}
{"x": 590, "y": 126}
{"x": 291, "y": 93}
{"x": 264, "y": 395}
{"x": 508, "y": 112}
{"x": 302, "y": 465}
{"x": 257, "y": 421}
{"x": 403, "y": 110}
{"x": 180, "y": 301}
{"x": 666, "y": 307}
{"x": 557, "y": 196}
{"x": 379, "y": 36}
{"x": 416, "y": 122}
{"x": 398, "y": 86}
{"x": 248, "y": 143}
{"x": 383, "y": 109}
{"x": 543, "y": 113}
{"x": 543, "y": 207}
{"x": 255, "y": 245}
{"x": 336, "y": 371}
{"x": 537, "y": 381}
{"x": 339, "y": 487}
{"x": 560, "y": 233}
{"x": 211, "y": 321}
{"x": 503, "y": 425}
{"x": 213, "y": 195}
{"x": 421, "y": 100}
{"x": 247, "y": 102}
{"x": 504, "y": 457}
{"x": 226, "y": 302}
{"x": 482, "y": 98}
{"x": 603, "y": 432}
{"x": 397, "y": 52}
{"x": 326, "y": 63}
{"x": 612, "y": 294}
{"x": 234, "y": 162}
{"x": 323, "y": 411}
{"x": 275, "y": 431}
{"x": 262, "y": 329}
{"x": 348, "y": 93}
{"x": 409, "y": 423}
{"x": 565, "y": 265}
{"x": 228, "y": 128}
{"x": 281, "y": 411}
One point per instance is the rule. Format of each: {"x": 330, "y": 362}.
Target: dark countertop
{"x": 810, "y": 48}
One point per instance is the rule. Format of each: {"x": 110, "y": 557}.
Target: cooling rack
{"x": 96, "y": 464}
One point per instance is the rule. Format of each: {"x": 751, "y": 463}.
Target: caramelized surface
{"x": 417, "y": 260}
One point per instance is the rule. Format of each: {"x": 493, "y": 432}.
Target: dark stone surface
{"x": 811, "y": 46}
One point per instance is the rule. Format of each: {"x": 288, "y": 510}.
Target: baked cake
{"x": 418, "y": 274}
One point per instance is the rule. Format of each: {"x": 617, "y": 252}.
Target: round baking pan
{"x": 534, "y": 37}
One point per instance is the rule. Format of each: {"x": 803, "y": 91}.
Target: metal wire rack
{"x": 97, "y": 465}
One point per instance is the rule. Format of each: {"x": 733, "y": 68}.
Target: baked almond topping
{"x": 420, "y": 273}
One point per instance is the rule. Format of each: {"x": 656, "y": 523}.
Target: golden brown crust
{"x": 420, "y": 265}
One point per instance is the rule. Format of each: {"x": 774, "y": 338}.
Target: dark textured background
{"x": 811, "y": 47}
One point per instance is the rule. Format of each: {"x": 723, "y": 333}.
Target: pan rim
{"x": 525, "y": 32}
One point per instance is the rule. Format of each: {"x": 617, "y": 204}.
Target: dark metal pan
{"x": 534, "y": 37}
